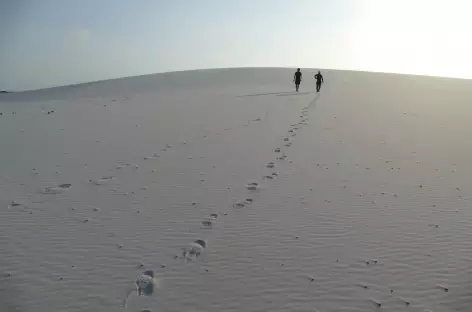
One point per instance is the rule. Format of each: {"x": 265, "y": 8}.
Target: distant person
{"x": 319, "y": 81}
{"x": 297, "y": 78}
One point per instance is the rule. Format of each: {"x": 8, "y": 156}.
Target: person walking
{"x": 319, "y": 81}
{"x": 297, "y": 78}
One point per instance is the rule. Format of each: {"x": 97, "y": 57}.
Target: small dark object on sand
{"x": 376, "y": 303}
{"x": 444, "y": 288}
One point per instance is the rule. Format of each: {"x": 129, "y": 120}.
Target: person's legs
{"x": 297, "y": 85}
{"x": 318, "y": 87}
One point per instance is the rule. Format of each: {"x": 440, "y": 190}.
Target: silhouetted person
{"x": 297, "y": 78}
{"x": 319, "y": 81}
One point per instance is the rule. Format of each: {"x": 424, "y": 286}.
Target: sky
{"x": 45, "y": 43}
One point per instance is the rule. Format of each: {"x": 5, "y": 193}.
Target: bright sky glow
{"x": 58, "y": 42}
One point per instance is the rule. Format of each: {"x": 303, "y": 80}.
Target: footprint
{"x": 194, "y": 249}
{"x": 239, "y": 205}
{"x": 271, "y": 165}
{"x": 277, "y": 150}
{"x": 243, "y": 204}
{"x": 154, "y": 156}
{"x": 102, "y": 180}
{"x": 253, "y": 186}
{"x": 145, "y": 285}
{"x": 213, "y": 216}
{"x": 207, "y": 224}
{"x": 269, "y": 177}
{"x": 14, "y": 204}
{"x": 61, "y": 188}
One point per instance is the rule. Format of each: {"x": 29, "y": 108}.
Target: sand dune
{"x": 238, "y": 194}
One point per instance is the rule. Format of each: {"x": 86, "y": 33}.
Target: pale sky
{"x": 47, "y": 43}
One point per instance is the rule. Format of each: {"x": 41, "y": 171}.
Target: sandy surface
{"x": 367, "y": 203}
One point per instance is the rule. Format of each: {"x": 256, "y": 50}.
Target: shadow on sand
{"x": 293, "y": 93}
{"x": 283, "y": 93}
{"x": 270, "y": 93}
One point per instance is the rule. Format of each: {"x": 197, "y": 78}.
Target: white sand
{"x": 373, "y": 195}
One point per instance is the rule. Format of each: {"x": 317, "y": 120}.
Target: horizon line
{"x": 2, "y": 91}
